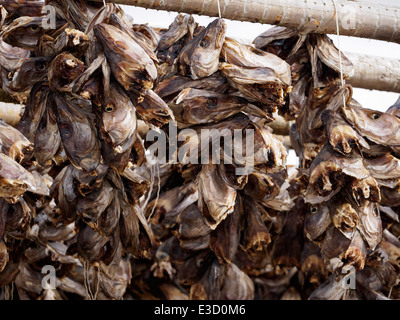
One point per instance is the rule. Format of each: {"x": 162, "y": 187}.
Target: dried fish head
{"x": 342, "y": 136}
{"x": 317, "y": 220}
{"x": 130, "y": 64}
{"x": 78, "y": 135}
{"x": 200, "y": 57}
{"x": 118, "y": 121}
{"x": 47, "y": 138}
{"x": 379, "y": 127}
{"x": 31, "y": 71}
{"x": 216, "y": 199}
{"x": 177, "y": 30}
{"x": 14, "y": 179}
{"x": 249, "y": 57}
{"x": 64, "y": 69}
{"x": 14, "y": 144}
{"x": 151, "y": 108}
{"x": 34, "y": 111}
{"x": 24, "y": 32}
{"x": 194, "y": 106}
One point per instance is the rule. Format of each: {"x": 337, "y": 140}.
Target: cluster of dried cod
{"x": 81, "y": 193}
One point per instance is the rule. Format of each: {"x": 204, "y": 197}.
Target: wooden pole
{"x": 364, "y": 19}
{"x": 372, "y": 72}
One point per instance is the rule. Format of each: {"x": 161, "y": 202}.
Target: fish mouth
{"x": 221, "y": 33}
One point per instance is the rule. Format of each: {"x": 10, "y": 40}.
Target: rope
{"x": 219, "y": 10}
{"x": 340, "y": 51}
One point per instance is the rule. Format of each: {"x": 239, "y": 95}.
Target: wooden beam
{"x": 364, "y": 18}
{"x": 375, "y": 73}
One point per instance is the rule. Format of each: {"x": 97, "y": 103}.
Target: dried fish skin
{"x": 24, "y": 32}
{"x": 91, "y": 207}
{"x": 255, "y": 234}
{"x": 129, "y": 229}
{"x": 249, "y": 57}
{"x": 367, "y": 188}
{"x": 342, "y": 137}
{"x": 334, "y": 244}
{"x": 312, "y": 267}
{"x": 15, "y": 180}
{"x": 64, "y": 192}
{"x": 216, "y": 199}
{"x": 379, "y": 127}
{"x": 194, "y": 106}
{"x": 18, "y": 220}
{"x": 10, "y": 57}
{"x": 256, "y": 84}
{"x": 118, "y": 124}
{"x": 370, "y": 225}
{"x": 344, "y": 216}
{"x": 329, "y": 55}
{"x": 4, "y": 257}
{"x": 147, "y": 37}
{"x": 237, "y": 285}
{"x": 269, "y": 152}
{"x": 169, "y": 88}
{"x": 91, "y": 245}
{"x": 32, "y": 8}
{"x": 118, "y": 22}
{"x": 31, "y": 71}
{"x": 226, "y": 237}
{"x": 181, "y": 25}
{"x": 331, "y": 289}
{"x": 288, "y": 247}
{"x": 34, "y": 111}
{"x": 316, "y": 222}
{"x": 151, "y": 108}
{"x": 195, "y": 267}
{"x": 383, "y": 167}
{"x": 78, "y": 135}
{"x": 64, "y": 69}
{"x": 129, "y": 63}
{"x": 47, "y": 138}
{"x": 13, "y": 143}
{"x": 329, "y": 170}
{"x": 74, "y": 41}
{"x": 200, "y": 57}
{"x": 356, "y": 253}
{"x": 170, "y": 203}
{"x": 191, "y": 228}
{"x": 209, "y": 287}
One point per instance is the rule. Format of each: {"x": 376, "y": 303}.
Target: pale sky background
{"x": 246, "y": 31}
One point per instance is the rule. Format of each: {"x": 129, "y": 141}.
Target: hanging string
{"x": 158, "y": 192}
{"x": 219, "y": 10}
{"x": 340, "y": 51}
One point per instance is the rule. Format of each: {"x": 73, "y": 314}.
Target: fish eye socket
{"x": 42, "y": 126}
{"x": 109, "y": 107}
{"x": 212, "y": 102}
{"x": 34, "y": 28}
{"x": 40, "y": 66}
{"x": 200, "y": 263}
{"x": 66, "y": 130}
{"x": 375, "y": 116}
{"x": 203, "y": 43}
{"x": 314, "y": 210}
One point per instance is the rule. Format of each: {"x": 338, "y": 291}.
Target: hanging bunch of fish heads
{"x": 348, "y": 170}
{"x": 83, "y": 191}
